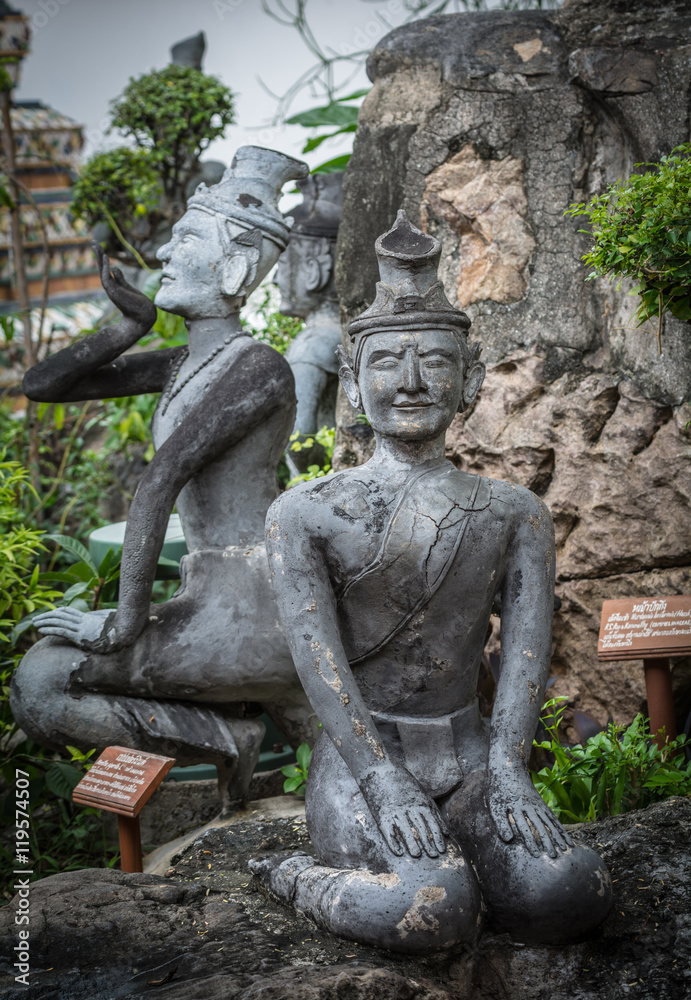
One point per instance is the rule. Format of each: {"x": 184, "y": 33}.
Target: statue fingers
{"x": 64, "y": 633}
{"x": 559, "y": 834}
{"x": 391, "y": 836}
{"x": 57, "y": 615}
{"x": 524, "y": 831}
{"x": 435, "y": 829}
{"x": 500, "y": 816}
{"x": 541, "y": 831}
{"x": 423, "y": 830}
{"x": 406, "y": 835}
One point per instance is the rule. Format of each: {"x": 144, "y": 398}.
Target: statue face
{"x": 411, "y": 382}
{"x": 192, "y": 281}
{"x": 304, "y": 269}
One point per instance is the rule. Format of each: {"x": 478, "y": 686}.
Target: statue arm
{"x": 527, "y": 604}
{"x": 310, "y": 382}
{"x": 408, "y": 820}
{"x": 93, "y": 367}
{"x": 236, "y": 402}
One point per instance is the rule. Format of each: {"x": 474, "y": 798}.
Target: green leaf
{"x": 317, "y": 140}
{"x": 62, "y": 779}
{"x": 333, "y": 166}
{"x": 304, "y": 756}
{"x": 330, "y": 114}
{"x": 75, "y": 547}
{"x": 296, "y": 785}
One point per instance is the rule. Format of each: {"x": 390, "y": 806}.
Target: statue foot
{"x": 279, "y": 874}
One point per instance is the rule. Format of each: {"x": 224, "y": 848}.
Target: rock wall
{"x": 485, "y": 127}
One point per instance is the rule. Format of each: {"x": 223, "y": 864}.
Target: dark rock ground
{"x": 207, "y": 932}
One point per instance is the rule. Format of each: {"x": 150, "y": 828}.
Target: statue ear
{"x": 240, "y": 263}
{"x": 473, "y": 378}
{"x": 313, "y": 276}
{"x": 348, "y": 378}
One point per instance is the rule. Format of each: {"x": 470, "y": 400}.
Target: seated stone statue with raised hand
{"x": 173, "y": 677}
{"x": 385, "y": 576}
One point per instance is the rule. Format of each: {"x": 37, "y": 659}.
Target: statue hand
{"x": 89, "y": 630}
{"x": 132, "y": 303}
{"x": 406, "y": 816}
{"x": 519, "y": 813}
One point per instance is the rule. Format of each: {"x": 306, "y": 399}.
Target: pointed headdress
{"x": 319, "y": 214}
{"x": 409, "y": 296}
{"x": 247, "y": 194}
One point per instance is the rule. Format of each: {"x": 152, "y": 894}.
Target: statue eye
{"x": 384, "y": 363}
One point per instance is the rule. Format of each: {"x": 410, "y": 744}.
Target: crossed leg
{"x": 363, "y": 891}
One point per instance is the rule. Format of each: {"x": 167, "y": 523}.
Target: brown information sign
{"x": 638, "y": 628}
{"x": 122, "y": 780}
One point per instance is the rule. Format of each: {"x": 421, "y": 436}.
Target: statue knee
{"x": 443, "y": 911}
{"x": 548, "y": 900}
{"x": 38, "y": 690}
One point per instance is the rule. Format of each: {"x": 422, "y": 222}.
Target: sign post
{"x": 650, "y": 629}
{"x": 122, "y": 781}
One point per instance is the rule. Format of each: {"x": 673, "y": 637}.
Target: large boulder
{"x": 206, "y": 932}
{"x": 485, "y": 127}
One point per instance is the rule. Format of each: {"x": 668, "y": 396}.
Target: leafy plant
{"x": 340, "y": 116}
{"x": 614, "y": 772}
{"x": 296, "y": 774}
{"x": 174, "y": 114}
{"x": 267, "y": 324}
{"x": 120, "y": 184}
{"x": 62, "y": 836}
{"x": 21, "y": 591}
{"x": 325, "y": 437}
{"x": 171, "y": 115}
{"x": 641, "y": 229}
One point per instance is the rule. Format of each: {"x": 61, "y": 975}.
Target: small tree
{"x": 172, "y": 115}
{"x": 641, "y": 229}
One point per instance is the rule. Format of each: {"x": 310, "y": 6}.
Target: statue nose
{"x": 411, "y": 379}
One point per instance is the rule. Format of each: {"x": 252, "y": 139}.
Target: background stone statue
{"x": 385, "y": 576}
{"x": 306, "y": 282}
{"x": 146, "y": 675}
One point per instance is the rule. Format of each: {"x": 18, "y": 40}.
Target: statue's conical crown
{"x": 409, "y": 295}
{"x": 319, "y": 214}
{"x": 249, "y": 190}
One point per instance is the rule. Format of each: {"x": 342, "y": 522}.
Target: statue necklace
{"x": 175, "y": 385}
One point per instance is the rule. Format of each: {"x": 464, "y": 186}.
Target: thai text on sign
{"x": 122, "y": 780}
{"x": 643, "y": 627}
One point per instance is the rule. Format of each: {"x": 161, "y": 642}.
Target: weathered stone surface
{"x": 612, "y": 466}
{"x": 205, "y": 933}
{"x": 484, "y": 202}
{"x": 486, "y": 127}
{"x": 576, "y": 96}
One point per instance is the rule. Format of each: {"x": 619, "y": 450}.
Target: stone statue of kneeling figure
{"x": 385, "y": 576}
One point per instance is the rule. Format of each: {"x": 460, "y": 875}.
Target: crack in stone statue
{"x": 146, "y": 675}
{"x": 306, "y": 282}
{"x": 385, "y": 576}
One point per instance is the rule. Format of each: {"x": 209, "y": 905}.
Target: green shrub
{"x": 614, "y": 772}
{"x": 641, "y": 229}
{"x": 122, "y": 183}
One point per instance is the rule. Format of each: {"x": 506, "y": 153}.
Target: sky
{"x": 84, "y": 51}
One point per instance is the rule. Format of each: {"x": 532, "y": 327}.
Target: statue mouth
{"x": 166, "y": 278}
{"x": 409, "y": 405}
